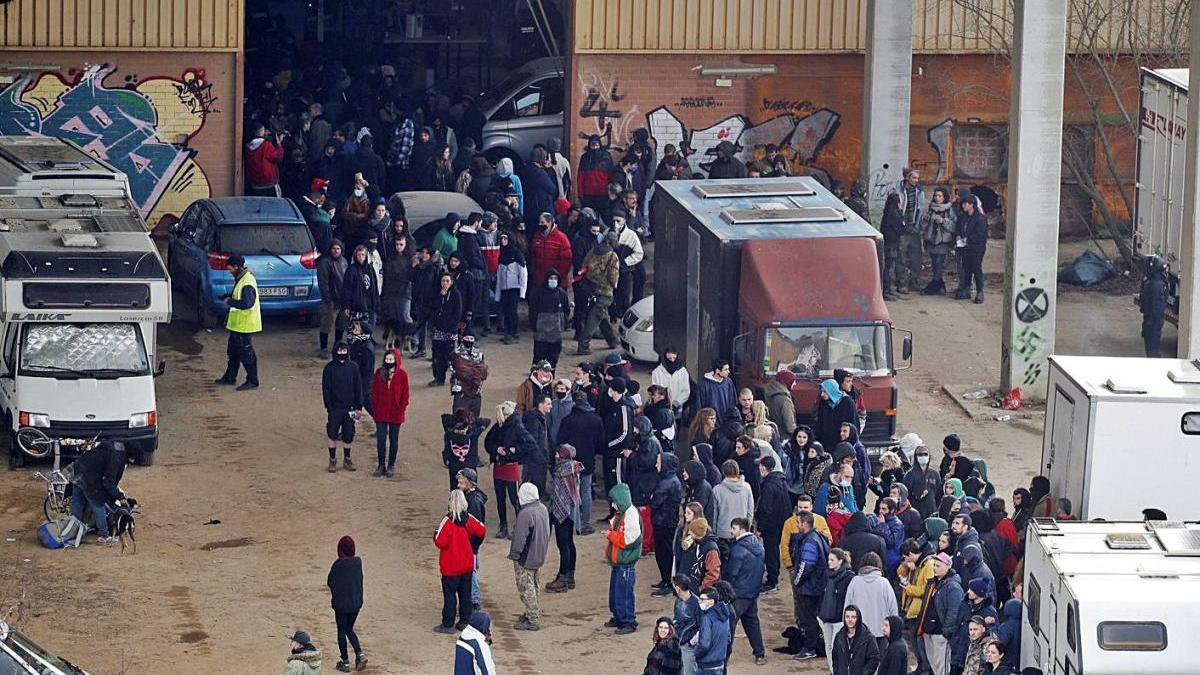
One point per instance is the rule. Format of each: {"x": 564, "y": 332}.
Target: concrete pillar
{"x": 1189, "y": 282}
{"x": 886, "y": 99}
{"x": 1034, "y": 181}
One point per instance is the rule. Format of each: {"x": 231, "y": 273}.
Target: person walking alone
{"x": 341, "y": 392}
{"x": 456, "y": 561}
{"x": 564, "y": 505}
{"x": 389, "y": 403}
{"x": 530, "y": 540}
{"x": 345, "y": 582}
{"x": 243, "y": 321}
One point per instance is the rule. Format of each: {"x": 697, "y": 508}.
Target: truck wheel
{"x": 205, "y": 317}
{"x": 145, "y": 458}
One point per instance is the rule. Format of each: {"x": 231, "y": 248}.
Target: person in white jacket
{"x": 473, "y": 651}
{"x": 633, "y": 273}
{"x": 671, "y": 374}
{"x": 512, "y": 278}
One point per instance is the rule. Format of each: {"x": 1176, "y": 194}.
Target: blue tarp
{"x": 1088, "y": 269}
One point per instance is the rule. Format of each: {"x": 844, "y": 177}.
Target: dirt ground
{"x": 202, "y": 598}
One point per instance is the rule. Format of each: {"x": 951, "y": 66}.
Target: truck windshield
{"x": 815, "y": 351}
{"x": 75, "y": 350}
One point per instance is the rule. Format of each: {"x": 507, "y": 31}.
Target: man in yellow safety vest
{"x": 243, "y": 322}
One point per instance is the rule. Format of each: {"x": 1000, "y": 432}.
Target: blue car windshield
{"x": 264, "y": 239}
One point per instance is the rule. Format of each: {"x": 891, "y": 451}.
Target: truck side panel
{"x": 1064, "y": 443}
{"x": 1160, "y": 171}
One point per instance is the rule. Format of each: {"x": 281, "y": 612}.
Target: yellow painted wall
{"x": 122, "y": 25}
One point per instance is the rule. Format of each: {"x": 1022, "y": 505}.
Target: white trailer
{"x": 1158, "y": 208}
{"x": 1122, "y": 435}
{"x": 1111, "y": 598}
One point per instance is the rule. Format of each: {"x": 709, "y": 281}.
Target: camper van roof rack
{"x": 1186, "y": 376}
{"x": 770, "y": 189}
{"x": 804, "y": 214}
{"x": 1125, "y": 387}
{"x": 1047, "y": 525}
{"x": 1176, "y": 538}
{"x": 1127, "y": 542}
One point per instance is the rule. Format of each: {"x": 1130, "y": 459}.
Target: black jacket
{"x": 360, "y": 289}
{"x": 460, "y": 446}
{"x": 618, "y": 426}
{"x": 469, "y": 250}
{"x": 583, "y": 429}
{"x": 539, "y": 456}
{"x": 100, "y": 469}
{"x": 510, "y": 434}
{"x": 371, "y": 166}
{"x": 477, "y": 506}
{"x": 857, "y": 656}
{"x": 341, "y": 386}
{"x": 667, "y": 495}
{"x": 858, "y": 540}
{"x": 772, "y": 506}
{"x": 976, "y": 230}
{"x": 894, "y": 659}
{"x": 445, "y": 311}
{"x": 541, "y": 189}
{"x": 828, "y": 426}
{"x": 662, "y": 419}
{"x": 345, "y": 583}
{"x": 698, "y": 489}
{"x": 1153, "y": 299}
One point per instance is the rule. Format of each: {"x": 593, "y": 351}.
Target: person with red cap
{"x": 312, "y": 207}
{"x": 345, "y": 583}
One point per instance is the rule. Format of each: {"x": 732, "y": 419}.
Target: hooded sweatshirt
{"x": 531, "y": 533}
{"x": 504, "y": 171}
{"x": 872, "y": 593}
{"x": 667, "y": 495}
{"x": 697, "y": 487}
{"x": 858, "y": 540}
{"x": 456, "y": 554}
{"x": 472, "y": 653}
{"x": 718, "y": 395}
{"x": 894, "y": 659}
{"x": 389, "y": 393}
{"x": 732, "y": 498}
{"x": 623, "y": 544}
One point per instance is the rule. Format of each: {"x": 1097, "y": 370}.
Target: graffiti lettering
{"x": 939, "y": 138}
{"x": 1158, "y": 122}
{"x": 122, "y": 125}
{"x": 787, "y": 105}
{"x": 699, "y": 102}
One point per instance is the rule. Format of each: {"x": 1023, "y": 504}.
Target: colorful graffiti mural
{"x": 142, "y": 127}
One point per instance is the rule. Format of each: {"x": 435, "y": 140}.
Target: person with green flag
{"x": 243, "y": 321}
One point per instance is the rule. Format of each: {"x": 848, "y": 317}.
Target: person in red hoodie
{"x": 549, "y": 250}
{"x": 389, "y": 401}
{"x": 263, "y": 155}
{"x": 456, "y": 561}
{"x": 594, "y": 167}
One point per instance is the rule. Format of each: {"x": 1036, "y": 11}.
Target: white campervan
{"x": 82, "y": 289}
{"x": 1111, "y": 598}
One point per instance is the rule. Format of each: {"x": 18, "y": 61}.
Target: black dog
{"x": 121, "y": 523}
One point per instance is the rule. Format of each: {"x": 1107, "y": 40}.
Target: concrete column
{"x": 1034, "y": 181}
{"x": 1189, "y": 282}
{"x": 886, "y": 99}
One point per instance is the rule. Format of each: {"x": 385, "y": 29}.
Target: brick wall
{"x": 168, "y": 120}
{"x": 814, "y": 105}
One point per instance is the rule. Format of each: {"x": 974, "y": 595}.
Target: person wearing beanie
{"x": 951, "y": 448}
{"x": 979, "y": 605}
{"x": 331, "y": 271}
{"x": 345, "y": 582}
{"x": 583, "y": 430}
{"x": 618, "y": 429}
{"x": 978, "y": 632}
{"x": 530, "y": 540}
{"x": 603, "y": 273}
{"x": 564, "y": 503}
{"x": 304, "y": 659}
{"x": 242, "y": 322}
{"x": 941, "y": 614}
{"x": 473, "y": 651}
{"x": 622, "y": 550}
{"x": 595, "y": 165}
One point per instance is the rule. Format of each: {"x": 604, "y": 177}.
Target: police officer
{"x": 243, "y": 322}
{"x": 1153, "y": 303}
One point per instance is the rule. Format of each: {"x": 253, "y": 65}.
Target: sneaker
{"x": 323, "y": 353}
{"x": 105, "y": 541}
{"x": 390, "y": 471}
{"x": 447, "y": 630}
{"x": 342, "y": 667}
{"x": 419, "y": 354}
{"x": 979, "y": 299}
{"x": 360, "y": 661}
{"x": 626, "y": 629}
{"x": 332, "y": 466}
{"x": 612, "y": 623}
{"x": 502, "y": 533}
{"x": 660, "y": 592}
{"x": 247, "y": 386}
{"x": 587, "y": 529}
{"x": 760, "y": 660}
{"x": 348, "y": 464}
{"x": 805, "y": 655}
{"x": 436, "y": 383}
{"x": 379, "y": 471}
{"x": 225, "y": 381}
{"x": 526, "y": 624}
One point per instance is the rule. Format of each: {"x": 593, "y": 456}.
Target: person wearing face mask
{"x": 470, "y": 372}
{"x": 549, "y": 250}
{"x": 353, "y": 216}
{"x": 341, "y": 392}
{"x": 587, "y": 233}
{"x": 552, "y": 310}
{"x": 511, "y": 283}
{"x": 360, "y": 290}
{"x": 594, "y": 168}
{"x": 632, "y": 270}
{"x": 924, "y": 484}
{"x": 389, "y": 403}
{"x": 714, "y": 636}
{"x": 561, "y": 404}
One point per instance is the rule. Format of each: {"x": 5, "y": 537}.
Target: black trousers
{"x": 240, "y": 351}
{"x": 505, "y": 491}
{"x": 564, "y": 539}
{"x": 345, "y": 629}
{"x": 664, "y": 549}
{"x": 972, "y": 262}
{"x": 456, "y": 598}
{"x": 548, "y": 351}
{"x": 387, "y": 433}
{"x": 441, "y": 358}
{"x": 746, "y": 611}
{"x": 806, "y": 619}
{"x": 770, "y": 540}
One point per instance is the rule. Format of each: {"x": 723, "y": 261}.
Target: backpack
{"x": 61, "y": 533}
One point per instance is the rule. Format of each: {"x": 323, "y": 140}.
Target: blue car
{"x": 268, "y": 232}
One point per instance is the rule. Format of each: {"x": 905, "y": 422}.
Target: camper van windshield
{"x": 73, "y": 350}
{"x": 815, "y": 351}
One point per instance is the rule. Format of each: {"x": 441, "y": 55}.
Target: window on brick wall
{"x": 980, "y": 151}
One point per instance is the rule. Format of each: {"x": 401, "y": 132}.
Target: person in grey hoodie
{"x": 530, "y": 540}
{"x": 873, "y": 595}
{"x": 731, "y": 499}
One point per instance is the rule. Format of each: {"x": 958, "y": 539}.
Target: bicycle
{"x": 37, "y": 444}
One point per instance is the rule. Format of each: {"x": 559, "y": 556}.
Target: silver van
{"x": 525, "y": 109}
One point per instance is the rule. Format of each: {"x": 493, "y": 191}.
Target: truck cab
{"x": 817, "y": 322}
{"x": 82, "y": 289}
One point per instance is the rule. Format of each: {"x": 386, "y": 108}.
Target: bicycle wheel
{"x": 34, "y": 442}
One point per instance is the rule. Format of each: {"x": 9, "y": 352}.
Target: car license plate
{"x": 274, "y": 291}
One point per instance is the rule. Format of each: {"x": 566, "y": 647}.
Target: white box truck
{"x": 1111, "y": 598}
{"x": 1158, "y": 206}
{"x": 82, "y": 289}
{"x": 1122, "y": 435}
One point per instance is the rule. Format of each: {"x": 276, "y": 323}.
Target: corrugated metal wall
{"x": 767, "y": 26}
{"x": 195, "y": 25}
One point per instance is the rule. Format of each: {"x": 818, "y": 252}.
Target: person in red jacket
{"x": 263, "y": 155}
{"x": 549, "y": 250}
{"x": 456, "y": 561}
{"x": 594, "y": 167}
{"x": 389, "y": 401}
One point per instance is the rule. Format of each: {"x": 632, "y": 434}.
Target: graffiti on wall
{"x": 799, "y": 137}
{"x": 602, "y": 103}
{"x": 141, "y": 126}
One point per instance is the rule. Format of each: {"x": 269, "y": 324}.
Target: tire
{"x": 495, "y": 154}
{"x": 16, "y": 458}
{"x": 205, "y": 317}
{"x": 144, "y": 458}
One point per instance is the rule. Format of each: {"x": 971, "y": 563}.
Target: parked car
{"x": 426, "y": 211}
{"x": 525, "y": 109}
{"x": 637, "y": 331}
{"x": 21, "y": 656}
{"x": 268, "y": 232}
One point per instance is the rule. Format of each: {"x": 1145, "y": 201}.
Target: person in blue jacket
{"x": 712, "y": 642}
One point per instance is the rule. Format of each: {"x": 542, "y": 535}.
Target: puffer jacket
{"x": 307, "y": 662}
{"x": 746, "y": 565}
{"x": 456, "y": 555}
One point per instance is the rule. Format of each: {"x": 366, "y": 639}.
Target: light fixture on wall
{"x": 734, "y": 71}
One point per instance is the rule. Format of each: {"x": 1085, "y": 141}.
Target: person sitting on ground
{"x": 304, "y": 659}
